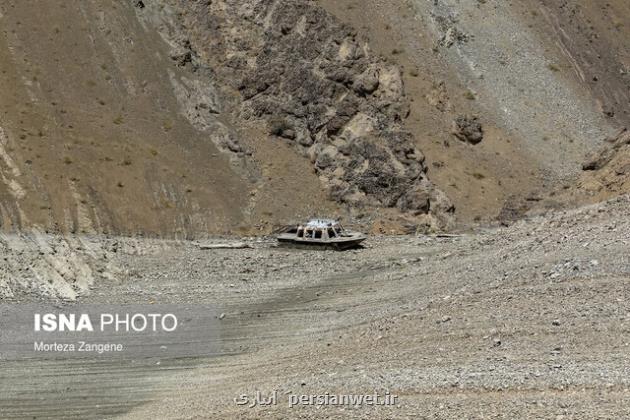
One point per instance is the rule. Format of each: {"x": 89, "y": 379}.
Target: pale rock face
{"x": 347, "y": 49}
{"x": 360, "y": 125}
{"x": 390, "y": 83}
{"x": 60, "y": 267}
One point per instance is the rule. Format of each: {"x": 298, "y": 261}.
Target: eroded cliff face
{"x": 184, "y": 118}
{"x": 173, "y": 117}
{"x": 298, "y": 75}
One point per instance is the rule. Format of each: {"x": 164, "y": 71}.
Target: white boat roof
{"x": 321, "y": 223}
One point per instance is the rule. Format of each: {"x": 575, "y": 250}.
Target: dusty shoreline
{"x": 526, "y": 320}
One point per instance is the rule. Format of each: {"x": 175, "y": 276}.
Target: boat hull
{"x": 336, "y": 244}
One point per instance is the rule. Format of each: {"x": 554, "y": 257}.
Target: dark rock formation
{"x": 317, "y": 86}
{"x": 468, "y": 129}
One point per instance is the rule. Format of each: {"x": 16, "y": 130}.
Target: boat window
{"x": 331, "y": 233}
{"x": 300, "y": 233}
{"x": 318, "y": 234}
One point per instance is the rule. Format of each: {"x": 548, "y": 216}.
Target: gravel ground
{"x": 526, "y": 321}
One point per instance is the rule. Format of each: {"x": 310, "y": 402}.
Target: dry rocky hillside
{"x": 148, "y": 148}
{"x": 172, "y": 117}
{"x": 547, "y": 81}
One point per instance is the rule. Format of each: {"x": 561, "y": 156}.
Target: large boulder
{"x": 468, "y": 129}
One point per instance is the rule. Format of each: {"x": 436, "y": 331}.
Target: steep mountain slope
{"x": 103, "y": 131}
{"x": 91, "y": 130}
{"x": 173, "y": 117}
{"x": 548, "y": 81}
{"x": 133, "y": 118}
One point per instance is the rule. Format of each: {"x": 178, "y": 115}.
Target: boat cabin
{"x": 322, "y": 233}
{"x": 320, "y": 229}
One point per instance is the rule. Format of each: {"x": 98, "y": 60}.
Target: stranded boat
{"x": 323, "y": 233}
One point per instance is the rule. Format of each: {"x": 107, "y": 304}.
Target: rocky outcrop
{"x": 468, "y": 129}
{"x": 316, "y": 85}
{"x": 607, "y": 172}
{"x": 612, "y": 148}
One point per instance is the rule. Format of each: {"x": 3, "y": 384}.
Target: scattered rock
{"x": 468, "y": 129}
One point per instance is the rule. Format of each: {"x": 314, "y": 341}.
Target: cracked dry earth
{"x": 526, "y": 321}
